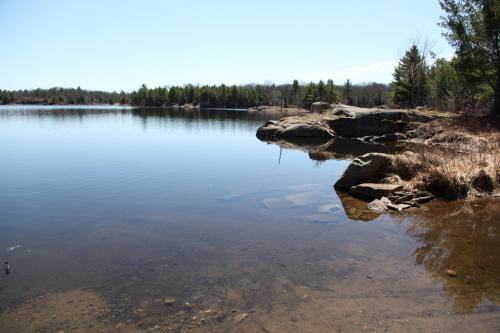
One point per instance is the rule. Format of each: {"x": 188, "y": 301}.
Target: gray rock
{"x": 365, "y": 168}
{"x": 377, "y": 206}
{"x": 371, "y": 191}
{"x": 357, "y": 122}
{"x": 295, "y": 127}
{"x": 309, "y": 129}
{"x": 345, "y": 121}
{"x": 320, "y": 106}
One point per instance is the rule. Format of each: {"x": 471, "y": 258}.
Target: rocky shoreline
{"x": 375, "y": 125}
{"x": 392, "y": 182}
{"x": 369, "y": 178}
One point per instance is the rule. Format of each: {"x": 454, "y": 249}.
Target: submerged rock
{"x": 240, "y": 317}
{"x": 368, "y": 167}
{"x": 169, "y": 301}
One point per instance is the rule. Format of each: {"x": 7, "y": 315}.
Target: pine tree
{"x": 410, "y": 76}
{"x": 347, "y": 94}
{"x": 295, "y": 91}
{"x": 331, "y": 92}
{"x": 474, "y": 31}
{"x": 321, "y": 91}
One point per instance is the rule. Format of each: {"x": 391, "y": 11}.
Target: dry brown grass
{"x": 459, "y": 161}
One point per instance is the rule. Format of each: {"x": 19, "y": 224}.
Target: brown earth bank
{"x": 438, "y": 155}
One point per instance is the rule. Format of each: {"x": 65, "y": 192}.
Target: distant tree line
{"x": 244, "y": 96}
{"x": 221, "y": 96}
{"x": 63, "y": 96}
{"x": 471, "y": 79}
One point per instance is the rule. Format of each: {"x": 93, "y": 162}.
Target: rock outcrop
{"x": 367, "y": 178}
{"x": 295, "y": 127}
{"x": 320, "y": 106}
{"x": 356, "y": 123}
{"x": 377, "y": 125}
{"x": 366, "y": 168}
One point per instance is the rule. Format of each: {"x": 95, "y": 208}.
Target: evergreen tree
{"x": 321, "y": 91}
{"x": 474, "y": 31}
{"x": 308, "y": 97}
{"x": 410, "y": 78}
{"x": 347, "y": 94}
{"x": 331, "y": 92}
{"x": 295, "y": 91}
{"x": 445, "y": 86}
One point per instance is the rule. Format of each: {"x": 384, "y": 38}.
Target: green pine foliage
{"x": 410, "y": 79}
{"x": 473, "y": 29}
{"x": 347, "y": 93}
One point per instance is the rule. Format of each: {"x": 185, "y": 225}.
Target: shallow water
{"x": 107, "y": 211}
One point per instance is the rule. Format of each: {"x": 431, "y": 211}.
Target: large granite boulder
{"x": 350, "y": 122}
{"x": 365, "y": 168}
{"x": 295, "y": 127}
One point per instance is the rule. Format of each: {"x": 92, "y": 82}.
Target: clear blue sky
{"x": 115, "y": 45}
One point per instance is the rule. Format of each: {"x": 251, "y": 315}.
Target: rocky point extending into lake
{"x": 433, "y": 155}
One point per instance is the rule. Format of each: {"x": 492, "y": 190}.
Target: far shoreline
{"x": 260, "y": 108}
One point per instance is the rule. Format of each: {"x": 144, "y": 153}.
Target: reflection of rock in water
{"x": 322, "y": 150}
{"x": 356, "y": 209}
{"x": 463, "y": 237}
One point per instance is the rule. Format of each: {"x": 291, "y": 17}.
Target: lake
{"x": 130, "y": 220}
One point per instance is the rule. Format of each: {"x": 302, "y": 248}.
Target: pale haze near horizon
{"x": 118, "y": 45}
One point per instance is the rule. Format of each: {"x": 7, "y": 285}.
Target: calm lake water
{"x": 105, "y": 212}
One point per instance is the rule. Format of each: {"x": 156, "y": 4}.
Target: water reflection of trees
{"x": 217, "y": 118}
{"x": 464, "y": 237}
